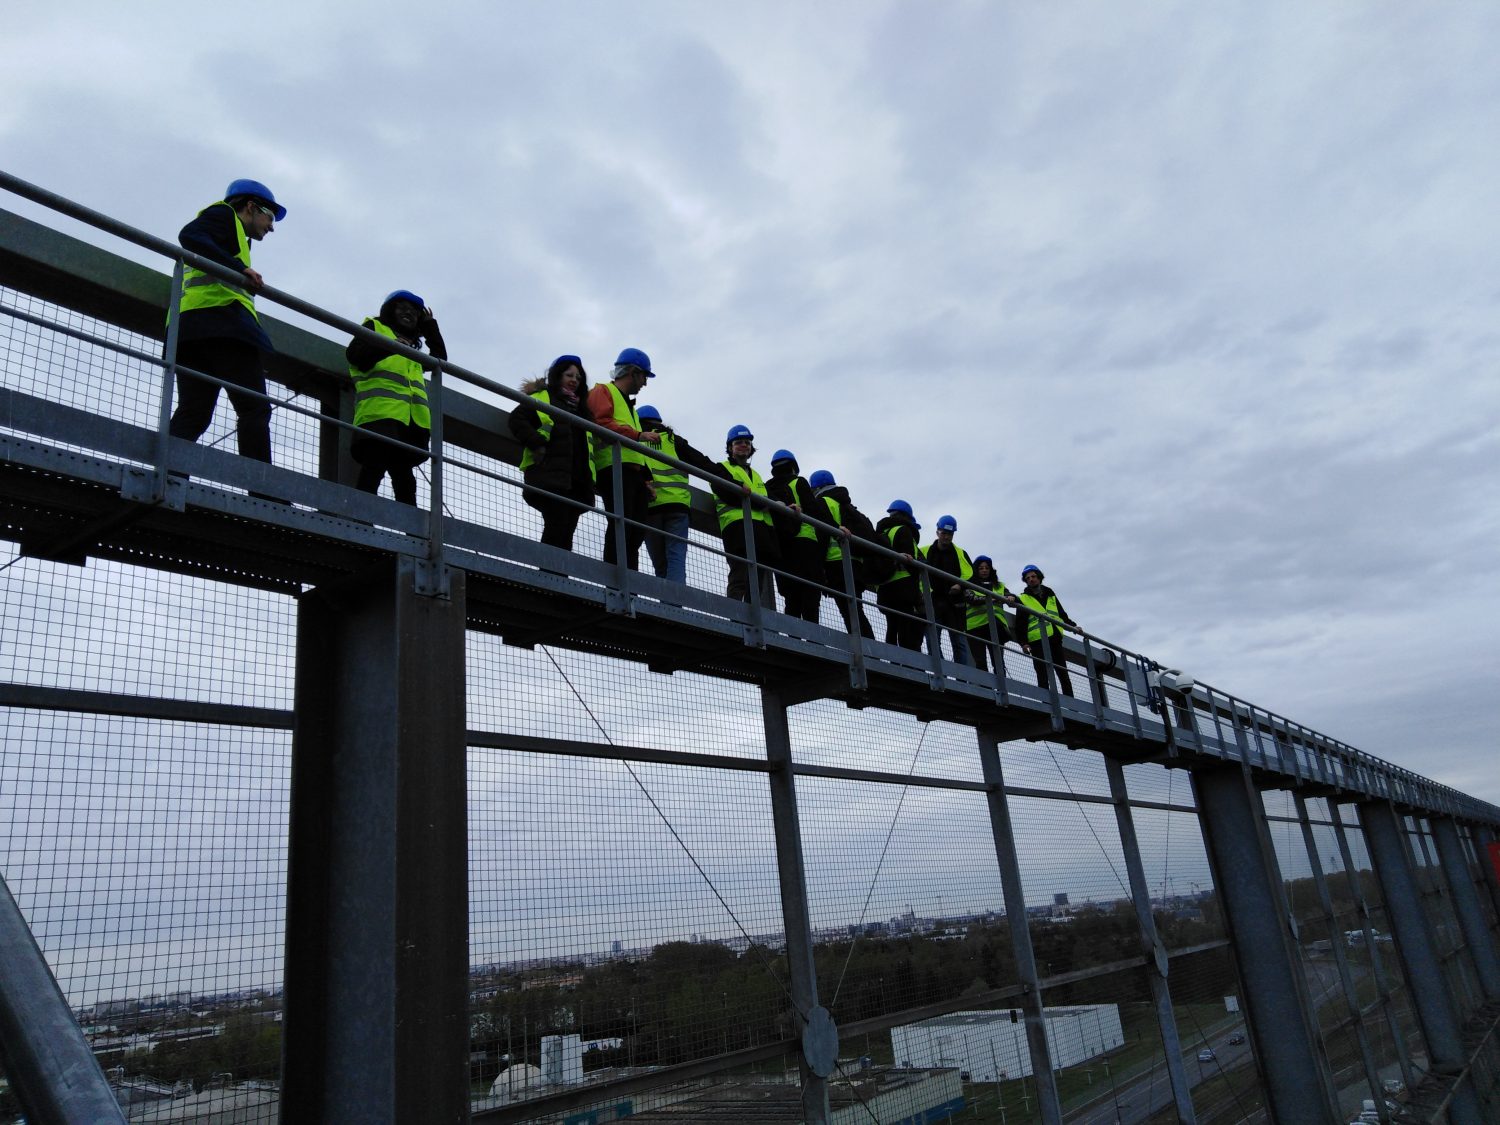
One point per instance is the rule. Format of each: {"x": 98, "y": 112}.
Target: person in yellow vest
{"x": 612, "y": 405}
{"x": 671, "y": 504}
{"x": 948, "y": 598}
{"x": 899, "y": 593}
{"x": 833, "y": 506}
{"x": 801, "y": 546}
{"x": 729, "y": 501}
{"x": 557, "y": 460}
{"x": 218, "y": 332}
{"x": 390, "y": 395}
{"x": 980, "y": 610}
{"x": 1039, "y": 638}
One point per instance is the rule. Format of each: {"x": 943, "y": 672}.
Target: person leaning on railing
{"x": 612, "y": 405}
{"x": 899, "y": 595}
{"x": 218, "y": 332}
{"x": 833, "y": 506}
{"x": 948, "y": 599}
{"x": 1040, "y": 638}
{"x": 390, "y": 395}
{"x": 801, "y": 549}
{"x": 671, "y": 502}
{"x": 980, "y": 610}
{"x": 729, "y": 501}
{"x": 557, "y": 459}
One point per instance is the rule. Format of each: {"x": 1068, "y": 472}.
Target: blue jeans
{"x": 667, "y": 545}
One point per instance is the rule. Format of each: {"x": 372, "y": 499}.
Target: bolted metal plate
{"x": 820, "y": 1042}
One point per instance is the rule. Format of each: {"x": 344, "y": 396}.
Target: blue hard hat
{"x": 984, "y": 558}
{"x": 634, "y": 357}
{"x": 1029, "y": 567}
{"x": 403, "y": 295}
{"x": 821, "y": 478}
{"x": 648, "y": 413}
{"x": 900, "y": 506}
{"x": 783, "y": 455}
{"x": 737, "y": 432}
{"x": 947, "y": 523}
{"x": 259, "y": 191}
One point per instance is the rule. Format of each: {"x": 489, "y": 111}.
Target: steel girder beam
{"x": 1282, "y": 1027}
{"x": 819, "y": 1037}
{"x": 1437, "y": 1011}
{"x": 1460, "y": 878}
{"x": 376, "y": 1023}
{"x": 43, "y": 1048}
{"x": 1042, "y": 1073}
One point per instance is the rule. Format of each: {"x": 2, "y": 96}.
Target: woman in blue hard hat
{"x": 801, "y": 548}
{"x": 669, "y": 512}
{"x": 218, "y": 331}
{"x": 557, "y": 460}
{"x": 1039, "y": 638}
{"x": 390, "y": 395}
{"x": 833, "y": 506}
{"x": 899, "y": 595}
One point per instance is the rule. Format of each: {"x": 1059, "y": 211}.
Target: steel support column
{"x": 1340, "y": 956}
{"x": 1466, "y": 904}
{"x": 818, "y": 1054}
{"x": 46, "y": 1057}
{"x": 376, "y": 1023}
{"x": 1377, "y": 962}
{"x": 1042, "y": 1071}
{"x": 1436, "y": 1012}
{"x": 1248, "y": 880}
{"x": 1151, "y": 946}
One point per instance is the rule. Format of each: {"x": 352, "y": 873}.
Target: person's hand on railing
{"x": 649, "y": 437}
{"x": 253, "y": 279}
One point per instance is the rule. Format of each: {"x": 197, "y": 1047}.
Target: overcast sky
{"x": 1194, "y": 305}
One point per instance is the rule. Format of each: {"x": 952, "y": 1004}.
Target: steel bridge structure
{"x": 406, "y": 628}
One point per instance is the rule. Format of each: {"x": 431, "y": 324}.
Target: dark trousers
{"x": 802, "y": 558}
{"x": 766, "y": 554}
{"x": 901, "y": 602}
{"x": 637, "y": 499}
{"x": 1050, "y": 648}
{"x": 980, "y": 645}
{"x": 559, "y": 518}
{"x": 833, "y": 579}
{"x": 235, "y": 362}
{"x": 379, "y": 459}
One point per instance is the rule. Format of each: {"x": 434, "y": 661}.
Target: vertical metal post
{"x": 168, "y": 381}
{"x": 1156, "y": 971}
{"x": 617, "y": 528}
{"x": 1048, "y": 1101}
{"x": 752, "y": 575}
{"x": 376, "y": 1025}
{"x": 819, "y": 1037}
{"x": 857, "y": 676}
{"x": 1340, "y": 957}
{"x": 1466, "y": 905}
{"x": 46, "y": 1056}
{"x": 934, "y": 634}
{"x": 1435, "y": 1007}
{"x": 1282, "y": 1026}
{"x": 1377, "y": 966}
{"x": 435, "y": 485}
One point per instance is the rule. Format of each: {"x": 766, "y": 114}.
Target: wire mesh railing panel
{"x": 1146, "y": 781}
{"x": 149, "y": 858}
{"x": 827, "y": 733}
{"x": 573, "y": 696}
{"x": 632, "y": 905}
{"x": 1053, "y": 766}
{"x": 126, "y": 630}
{"x": 1073, "y": 869}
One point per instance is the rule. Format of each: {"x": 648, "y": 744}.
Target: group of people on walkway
{"x": 564, "y": 467}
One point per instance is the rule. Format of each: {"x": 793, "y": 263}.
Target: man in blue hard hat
{"x": 612, "y": 405}
{"x": 218, "y": 331}
{"x": 1040, "y": 638}
{"x": 729, "y": 502}
{"x": 801, "y": 546}
{"x": 671, "y": 504}
{"x": 900, "y": 592}
{"x": 390, "y": 395}
{"x": 948, "y": 597}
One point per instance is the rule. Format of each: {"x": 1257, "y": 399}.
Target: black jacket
{"x": 787, "y": 486}
{"x": 859, "y": 525}
{"x": 564, "y": 464}
{"x": 1023, "y": 615}
{"x": 211, "y": 234}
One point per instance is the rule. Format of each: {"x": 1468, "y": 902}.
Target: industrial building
{"x": 990, "y": 1046}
